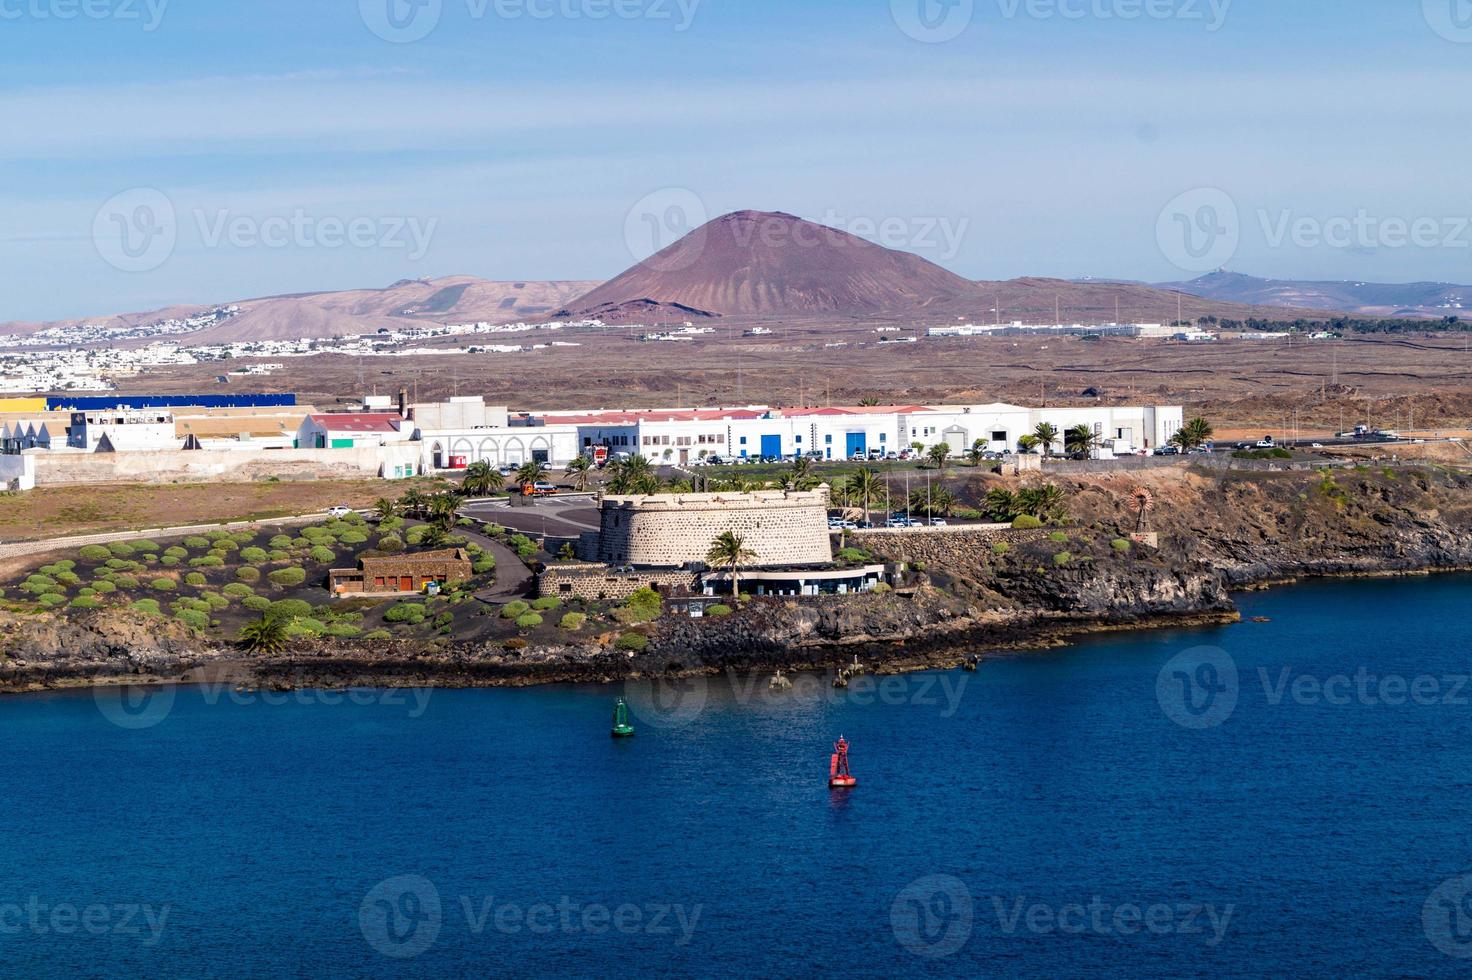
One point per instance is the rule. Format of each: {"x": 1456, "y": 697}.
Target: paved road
{"x": 513, "y": 579}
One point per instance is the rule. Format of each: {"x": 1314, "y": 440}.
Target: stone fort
{"x": 671, "y": 530}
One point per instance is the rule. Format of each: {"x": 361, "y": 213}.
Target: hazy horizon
{"x": 275, "y": 149}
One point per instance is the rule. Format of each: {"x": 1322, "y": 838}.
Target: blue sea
{"x": 1291, "y": 797}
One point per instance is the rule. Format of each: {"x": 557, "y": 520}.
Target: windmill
{"x": 1144, "y": 503}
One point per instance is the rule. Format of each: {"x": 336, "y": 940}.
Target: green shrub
{"x": 198, "y": 605}
{"x": 645, "y": 604}
{"x": 390, "y": 542}
{"x": 194, "y": 619}
{"x": 215, "y": 600}
{"x": 484, "y": 566}
{"x": 342, "y": 631}
{"x": 852, "y": 556}
{"x": 882, "y": 588}
{"x": 248, "y": 574}
{"x": 86, "y": 590}
{"x": 207, "y": 561}
{"x": 1062, "y": 558}
{"x": 290, "y": 609}
{"x": 119, "y": 565}
{"x": 280, "y": 541}
{"x": 39, "y": 584}
{"x": 1000, "y": 548}
{"x": 52, "y": 600}
{"x": 85, "y": 602}
{"x": 305, "y": 626}
{"x": 547, "y": 604}
{"x": 633, "y": 642}
{"x": 238, "y": 590}
{"x": 94, "y": 553}
{"x": 405, "y": 612}
{"x": 256, "y": 603}
{"x": 176, "y": 552}
{"x": 415, "y": 534}
{"x": 145, "y": 545}
{"x": 195, "y": 542}
{"x": 513, "y": 610}
{"x": 254, "y": 555}
{"x": 169, "y": 561}
{"x": 378, "y": 636}
{"x": 68, "y": 578}
{"x": 1026, "y": 522}
{"x": 148, "y": 606}
{"x": 528, "y": 621}
{"x": 126, "y": 582}
{"x": 225, "y": 544}
{"x": 103, "y": 586}
{"x": 353, "y": 537}
{"x": 1058, "y": 537}
{"x": 163, "y": 585}
{"x": 1120, "y": 544}
{"x": 288, "y": 577}
{"x": 196, "y": 579}
{"x": 322, "y": 555}
{"x": 121, "y": 549}
{"x": 573, "y": 621}
{"x": 718, "y": 610}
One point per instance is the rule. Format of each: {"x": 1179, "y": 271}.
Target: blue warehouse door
{"x": 771, "y": 445}
{"x": 857, "y": 444}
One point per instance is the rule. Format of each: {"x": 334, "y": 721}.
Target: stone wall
{"x": 178, "y": 465}
{"x": 671, "y": 530}
{"x": 595, "y": 581}
{"x": 939, "y": 546}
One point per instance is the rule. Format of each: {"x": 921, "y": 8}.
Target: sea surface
{"x": 1291, "y": 797}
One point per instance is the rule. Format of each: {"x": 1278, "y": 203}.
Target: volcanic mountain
{"x": 757, "y": 263}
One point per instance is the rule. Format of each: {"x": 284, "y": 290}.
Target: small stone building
{"x": 402, "y": 574}
{"x": 672, "y": 530}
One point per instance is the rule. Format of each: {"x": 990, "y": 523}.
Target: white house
{"x": 122, "y": 430}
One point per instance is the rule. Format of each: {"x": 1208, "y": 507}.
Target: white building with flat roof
{"x": 122, "y": 430}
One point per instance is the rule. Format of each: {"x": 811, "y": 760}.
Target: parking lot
{"x": 558, "y": 517}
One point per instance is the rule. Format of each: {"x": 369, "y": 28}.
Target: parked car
{"x": 1168, "y": 451}
{"x": 939, "y": 522}
{"x": 1317, "y": 445}
{"x": 339, "y": 512}
{"x": 1266, "y": 442}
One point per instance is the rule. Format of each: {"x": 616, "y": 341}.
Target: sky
{"x": 201, "y": 151}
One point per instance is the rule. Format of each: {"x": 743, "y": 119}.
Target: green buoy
{"x": 621, "y": 726}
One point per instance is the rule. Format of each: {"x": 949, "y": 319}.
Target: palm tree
{"x": 801, "y": 477}
{"x": 530, "y": 474}
{"x": 729, "y": 551}
{"x": 1047, "y": 434}
{"x": 1080, "y": 439}
{"x": 444, "y": 510}
{"x": 481, "y": 480}
{"x": 1044, "y": 502}
{"x": 265, "y": 635}
{"x": 1196, "y": 432}
{"x": 386, "y": 509}
{"x": 869, "y": 402}
{"x": 412, "y": 502}
{"x": 434, "y": 536}
{"x": 933, "y": 501}
{"x": 1001, "y": 505}
{"x": 977, "y": 453}
{"x": 632, "y": 475}
{"x": 866, "y": 488}
{"x": 580, "y": 470}
{"x": 939, "y": 455}
{"x": 1028, "y": 443}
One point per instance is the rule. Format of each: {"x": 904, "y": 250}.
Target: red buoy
{"x": 838, "y": 775}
